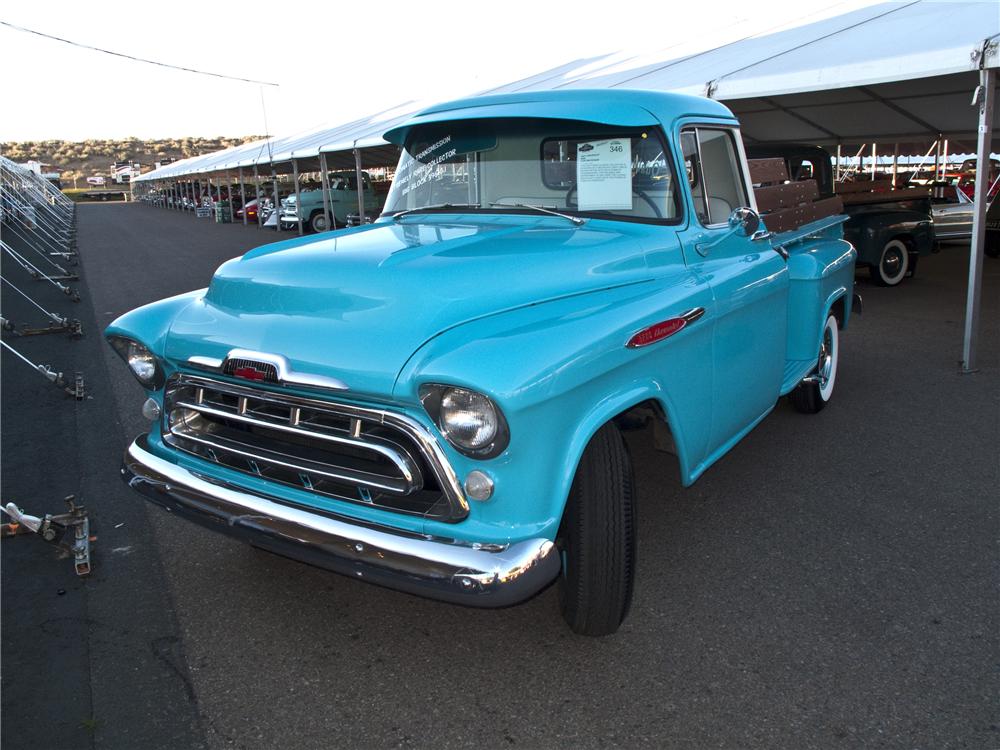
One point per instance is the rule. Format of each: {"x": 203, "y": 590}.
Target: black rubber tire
{"x": 598, "y": 538}
{"x": 893, "y": 263}
{"x": 810, "y": 398}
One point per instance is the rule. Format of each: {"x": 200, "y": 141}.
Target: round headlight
{"x": 139, "y": 359}
{"x": 142, "y": 363}
{"x": 468, "y": 419}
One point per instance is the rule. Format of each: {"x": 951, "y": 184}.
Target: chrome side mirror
{"x": 745, "y": 220}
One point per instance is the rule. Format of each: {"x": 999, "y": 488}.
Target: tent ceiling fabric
{"x": 885, "y": 113}
{"x": 897, "y": 72}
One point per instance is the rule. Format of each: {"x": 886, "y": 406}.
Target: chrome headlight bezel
{"x": 142, "y": 363}
{"x": 432, "y": 395}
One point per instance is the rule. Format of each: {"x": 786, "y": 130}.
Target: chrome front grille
{"x": 336, "y": 450}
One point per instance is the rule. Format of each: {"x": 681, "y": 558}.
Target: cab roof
{"x": 620, "y": 107}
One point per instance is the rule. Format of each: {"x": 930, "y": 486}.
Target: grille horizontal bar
{"x": 362, "y": 455}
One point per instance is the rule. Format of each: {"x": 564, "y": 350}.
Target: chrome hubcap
{"x": 825, "y": 360}
{"x": 892, "y": 262}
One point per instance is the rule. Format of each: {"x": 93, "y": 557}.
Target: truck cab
{"x": 435, "y": 402}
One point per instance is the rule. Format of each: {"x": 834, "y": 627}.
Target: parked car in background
{"x": 890, "y": 229}
{"x": 251, "y": 211}
{"x": 967, "y": 178}
{"x": 435, "y": 402}
{"x": 343, "y": 201}
{"x": 952, "y": 211}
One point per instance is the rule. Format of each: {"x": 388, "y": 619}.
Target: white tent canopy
{"x": 890, "y": 73}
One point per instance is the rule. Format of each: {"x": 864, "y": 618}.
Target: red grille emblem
{"x": 249, "y": 373}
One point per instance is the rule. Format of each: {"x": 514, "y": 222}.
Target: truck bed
{"x": 786, "y": 206}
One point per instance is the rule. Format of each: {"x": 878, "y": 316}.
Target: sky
{"x": 333, "y": 62}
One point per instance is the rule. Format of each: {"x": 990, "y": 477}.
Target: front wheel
{"x": 893, "y": 263}
{"x": 597, "y": 538}
{"x": 317, "y": 222}
{"x": 811, "y": 395}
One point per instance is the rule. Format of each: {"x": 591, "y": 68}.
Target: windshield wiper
{"x": 543, "y": 209}
{"x": 396, "y": 216}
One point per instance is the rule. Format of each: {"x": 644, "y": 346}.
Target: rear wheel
{"x": 598, "y": 538}
{"x": 893, "y": 263}
{"x": 811, "y": 395}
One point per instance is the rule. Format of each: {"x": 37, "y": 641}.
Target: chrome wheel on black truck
{"x": 597, "y": 539}
{"x": 893, "y": 263}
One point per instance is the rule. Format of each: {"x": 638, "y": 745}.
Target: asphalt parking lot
{"x": 832, "y": 582}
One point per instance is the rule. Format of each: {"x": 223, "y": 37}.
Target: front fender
{"x": 559, "y": 371}
{"x": 869, "y": 232}
{"x": 151, "y": 323}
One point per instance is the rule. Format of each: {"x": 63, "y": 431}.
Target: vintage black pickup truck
{"x": 890, "y": 229}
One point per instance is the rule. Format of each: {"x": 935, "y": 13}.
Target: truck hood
{"x": 356, "y": 305}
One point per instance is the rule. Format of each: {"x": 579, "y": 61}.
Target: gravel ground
{"x": 832, "y": 582}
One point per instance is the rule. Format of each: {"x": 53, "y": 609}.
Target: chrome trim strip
{"x": 286, "y": 375}
{"x": 692, "y": 315}
{"x": 483, "y": 575}
{"x": 252, "y": 453}
{"x": 397, "y": 455}
{"x": 211, "y": 363}
{"x": 432, "y": 452}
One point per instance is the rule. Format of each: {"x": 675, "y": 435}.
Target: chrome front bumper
{"x": 479, "y": 575}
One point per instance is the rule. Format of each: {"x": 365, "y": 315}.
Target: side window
{"x": 716, "y": 181}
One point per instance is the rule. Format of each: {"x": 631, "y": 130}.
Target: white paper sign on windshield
{"x": 604, "y": 174}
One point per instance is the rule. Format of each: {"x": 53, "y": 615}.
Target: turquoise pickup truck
{"x": 435, "y": 402}
{"x": 343, "y": 201}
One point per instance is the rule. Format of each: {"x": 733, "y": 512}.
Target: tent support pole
{"x": 325, "y": 180}
{"x": 256, "y": 187}
{"x": 277, "y": 202}
{"x": 229, "y": 195}
{"x": 937, "y": 158}
{"x": 895, "y": 163}
{"x": 944, "y": 161}
{"x": 874, "y": 160}
{"x": 836, "y": 174}
{"x": 361, "y": 187}
{"x": 298, "y": 196}
{"x": 243, "y": 197}
{"x": 987, "y": 83}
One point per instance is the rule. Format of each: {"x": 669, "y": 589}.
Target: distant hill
{"x": 82, "y": 159}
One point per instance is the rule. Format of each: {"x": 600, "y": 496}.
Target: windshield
{"x": 578, "y": 168}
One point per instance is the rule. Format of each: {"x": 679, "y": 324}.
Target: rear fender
{"x": 821, "y": 273}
